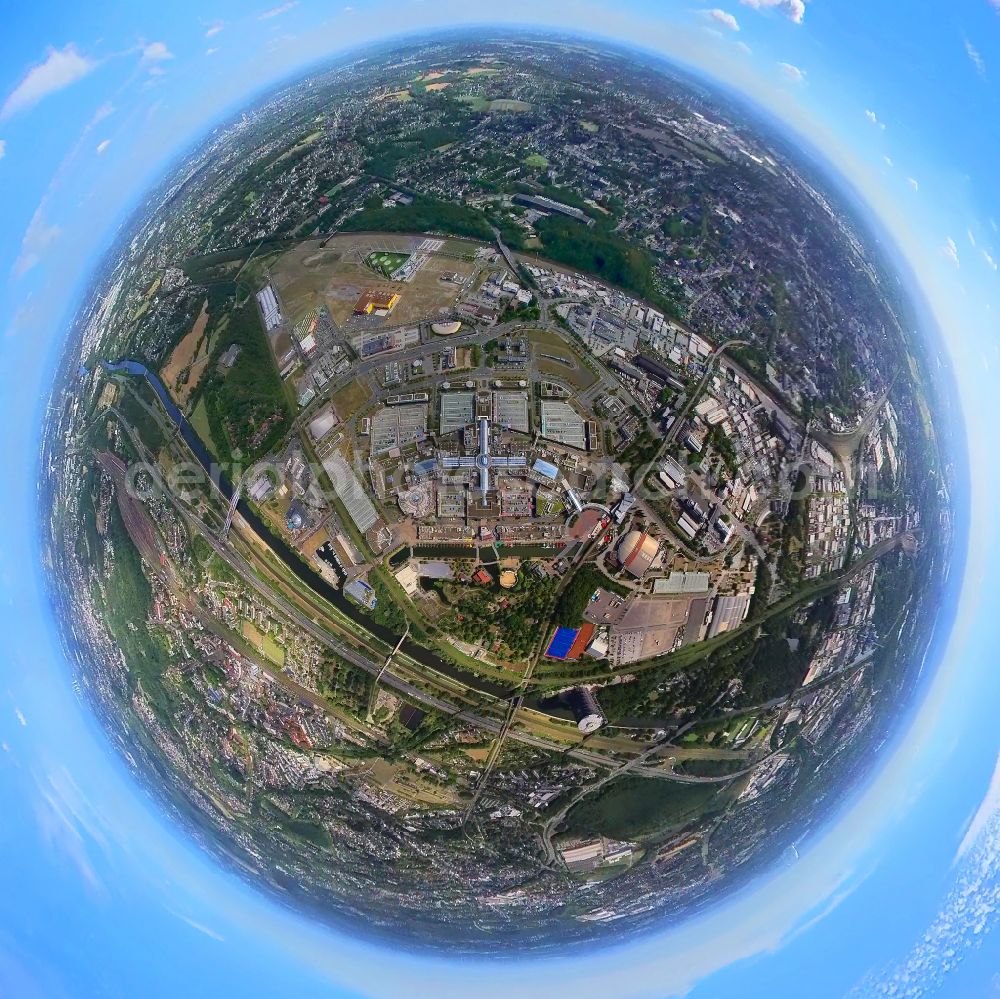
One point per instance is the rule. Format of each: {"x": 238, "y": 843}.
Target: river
{"x": 288, "y": 555}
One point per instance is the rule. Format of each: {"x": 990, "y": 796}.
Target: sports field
{"x": 386, "y": 263}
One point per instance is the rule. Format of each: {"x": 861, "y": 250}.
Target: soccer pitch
{"x": 386, "y": 263}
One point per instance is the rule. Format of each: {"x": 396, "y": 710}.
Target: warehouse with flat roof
{"x": 269, "y": 308}
{"x": 458, "y": 410}
{"x": 563, "y": 424}
{"x": 729, "y": 612}
{"x": 510, "y": 410}
{"x": 396, "y": 426}
{"x": 376, "y": 302}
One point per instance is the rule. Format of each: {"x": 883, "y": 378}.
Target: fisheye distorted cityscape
{"x": 500, "y": 505}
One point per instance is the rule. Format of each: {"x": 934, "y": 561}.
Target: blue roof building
{"x": 545, "y": 468}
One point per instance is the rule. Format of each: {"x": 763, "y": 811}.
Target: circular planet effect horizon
{"x": 410, "y": 767}
{"x": 117, "y": 878}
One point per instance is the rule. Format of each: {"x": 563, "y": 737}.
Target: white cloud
{"x": 277, "y": 11}
{"x": 104, "y": 111}
{"x": 211, "y": 51}
{"x": 744, "y": 48}
{"x": 963, "y": 923}
{"x": 3, "y": 148}
{"x": 977, "y": 60}
{"x": 102, "y": 146}
{"x": 156, "y": 52}
{"x": 791, "y": 72}
{"x": 723, "y": 18}
{"x": 873, "y": 118}
{"x": 794, "y": 10}
{"x": 61, "y": 68}
{"x": 202, "y": 928}
{"x": 913, "y": 183}
{"x": 972, "y": 238}
{"x": 68, "y": 827}
{"x": 990, "y": 262}
{"x": 950, "y": 250}
{"x": 214, "y": 29}
{"x": 888, "y": 161}
{"x": 38, "y": 237}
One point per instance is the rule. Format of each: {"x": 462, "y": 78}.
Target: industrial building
{"x": 510, "y": 410}
{"x": 548, "y": 205}
{"x": 729, "y": 612}
{"x": 545, "y": 468}
{"x": 376, "y": 302}
{"x": 409, "y": 579}
{"x": 458, "y": 410}
{"x": 682, "y": 583}
{"x": 671, "y": 474}
{"x": 230, "y": 356}
{"x": 322, "y": 424}
{"x": 261, "y": 488}
{"x": 585, "y": 857}
{"x": 269, "y": 310}
{"x": 598, "y": 648}
{"x": 563, "y": 424}
{"x": 397, "y": 426}
{"x": 362, "y": 593}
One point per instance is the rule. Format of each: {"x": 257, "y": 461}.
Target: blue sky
{"x": 105, "y": 897}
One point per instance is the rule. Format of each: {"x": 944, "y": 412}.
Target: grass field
{"x": 475, "y": 102}
{"x": 398, "y": 779}
{"x": 578, "y": 376}
{"x": 386, "y": 263}
{"x": 199, "y": 420}
{"x": 631, "y": 807}
{"x": 188, "y": 361}
{"x": 307, "y": 831}
{"x": 509, "y": 105}
{"x": 264, "y": 643}
{"x": 335, "y": 277}
{"x": 351, "y": 399}
{"x": 478, "y": 103}
{"x": 554, "y": 357}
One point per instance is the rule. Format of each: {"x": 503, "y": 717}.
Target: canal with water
{"x": 288, "y": 555}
